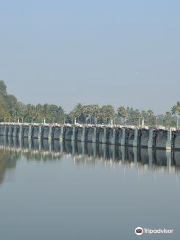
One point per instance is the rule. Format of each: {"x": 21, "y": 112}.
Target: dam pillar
{"x": 113, "y": 140}
{"x": 94, "y": 139}
{"x": 5, "y": 130}
{"x": 30, "y": 132}
{"x": 73, "y": 138}
{"x": 50, "y": 133}
{"x": 40, "y": 132}
{"x": 123, "y": 137}
{"x": 151, "y": 137}
{"x": 61, "y": 134}
{"x": 83, "y": 137}
{"x": 104, "y": 138}
{"x": 169, "y": 140}
{"x": 40, "y": 146}
{"x": 20, "y": 131}
{"x": 15, "y": 131}
{"x": 9, "y": 130}
{"x": 135, "y": 141}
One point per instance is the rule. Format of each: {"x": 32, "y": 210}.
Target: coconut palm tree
{"x": 122, "y": 112}
{"x": 176, "y": 111}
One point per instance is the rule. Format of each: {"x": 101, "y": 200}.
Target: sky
{"x": 94, "y": 52}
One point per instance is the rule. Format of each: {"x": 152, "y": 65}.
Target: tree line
{"x": 12, "y": 110}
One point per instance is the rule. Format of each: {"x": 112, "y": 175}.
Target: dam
{"x": 128, "y": 136}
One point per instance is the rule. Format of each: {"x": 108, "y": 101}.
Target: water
{"x": 86, "y": 192}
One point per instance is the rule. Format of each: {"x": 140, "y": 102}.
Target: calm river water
{"x": 85, "y": 192}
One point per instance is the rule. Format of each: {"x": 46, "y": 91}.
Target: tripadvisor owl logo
{"x": 138, "y": 231}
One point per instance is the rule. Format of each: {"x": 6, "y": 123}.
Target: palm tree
{"x": 87, "y": 112}
{"x": 95, "y": 112}
{"x": 107, "y": 113}
{"x": 72, "y": 116}
{"x": 168, "y": 117}
{"x": 45, "y": 111}
{"x": 137, "y": 116}
{"x": 122, "y": 112}
{"x": 176, "y": 111}
{"x": 28, "y": 113}
{"x": 150, "y": 116}
{"x": 38, "y": 112}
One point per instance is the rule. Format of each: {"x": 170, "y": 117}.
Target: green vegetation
{"x": 12, "y": 110}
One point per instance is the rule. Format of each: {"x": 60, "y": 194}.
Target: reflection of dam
{"x": 91, "y": 152}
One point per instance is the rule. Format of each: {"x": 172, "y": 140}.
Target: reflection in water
{"x": 8, "y": 160}
{"x": 11, "y": 149}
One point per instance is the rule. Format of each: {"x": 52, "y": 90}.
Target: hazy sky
{"x": 117, "y": 52}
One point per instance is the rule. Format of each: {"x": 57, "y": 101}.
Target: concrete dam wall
{"x": 131, "y": 136}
